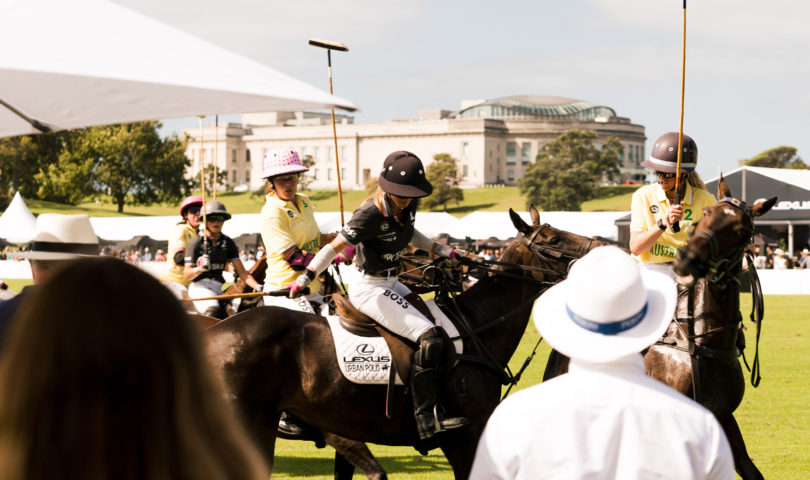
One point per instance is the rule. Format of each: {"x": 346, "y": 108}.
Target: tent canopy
{"x": 75, "y": 64}
{"x": 751, "y": 184}
{"x": 17, "y": 224}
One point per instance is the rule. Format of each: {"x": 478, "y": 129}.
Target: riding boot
{"x": 289, "y": 425}
{"x": 425, "y": 378}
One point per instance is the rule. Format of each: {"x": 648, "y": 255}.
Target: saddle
{"x": 358, "y": 323}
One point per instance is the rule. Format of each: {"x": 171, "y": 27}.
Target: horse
{"x": 698, "y": 355}
{"x": 272, "y": 359}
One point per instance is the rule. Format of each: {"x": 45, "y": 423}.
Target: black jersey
{"x": 379, "y": 236}
{"x": 219, "y": 252}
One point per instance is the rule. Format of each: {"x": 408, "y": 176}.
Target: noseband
{"x": 722, "y": 269}
{"x": 551, "y": 254}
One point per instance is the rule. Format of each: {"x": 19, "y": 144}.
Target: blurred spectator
{"x": 768, "y": 256}
{"x": 118, "y": 387}
{"x": 147, "y": 255}
{"x": 160, "y": 256}
{"x": 803, "y": 259}
{"x": 760, "y": 260}
{"x": 57, "y": 238}
{"x": 780, "y": 261}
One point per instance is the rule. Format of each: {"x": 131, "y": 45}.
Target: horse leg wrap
{"x": 425, "y": 378}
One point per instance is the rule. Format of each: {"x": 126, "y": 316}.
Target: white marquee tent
{"x": 17, "y": 224}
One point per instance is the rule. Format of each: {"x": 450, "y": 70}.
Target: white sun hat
{"x": 607, "y": 307}
{"x": 61, "y": 237}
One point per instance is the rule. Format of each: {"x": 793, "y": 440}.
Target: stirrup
{"x": 442, "y": 424}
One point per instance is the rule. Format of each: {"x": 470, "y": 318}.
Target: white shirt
{"x": 602, "y": 421}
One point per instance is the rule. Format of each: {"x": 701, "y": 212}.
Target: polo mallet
{"x": 329, "y": 46}
{"x": 216, "y": 151}
{"x": 202, "y": 184}
{"x": 676, "y": 226}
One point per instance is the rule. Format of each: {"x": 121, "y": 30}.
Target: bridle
{"x": 723, "y": 270}
{"x": 545, "y": 255}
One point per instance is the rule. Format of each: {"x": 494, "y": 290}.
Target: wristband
{"x": 661, "y": 225}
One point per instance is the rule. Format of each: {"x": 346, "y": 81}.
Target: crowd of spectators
{"x": 771, "y": 258}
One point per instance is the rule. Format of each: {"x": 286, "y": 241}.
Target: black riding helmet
{"x": 214, "y": 208}
{"x": 664, "y": 156}
{"x": 404, "y": 176}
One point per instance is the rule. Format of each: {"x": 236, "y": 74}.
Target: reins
{"x": 544, "y": 255}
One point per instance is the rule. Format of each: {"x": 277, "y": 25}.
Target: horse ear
{"x": 535, "y": 215}
{"x": 518, "y": 222}
{"x": 761, "y": 208}
{"x": 722, "y": 189}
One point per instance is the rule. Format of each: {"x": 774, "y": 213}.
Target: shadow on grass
{"x": 409, "y": 466}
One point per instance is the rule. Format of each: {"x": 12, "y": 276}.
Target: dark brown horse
{"x": 274, "y": 359}
{"x": 708, "y": 318}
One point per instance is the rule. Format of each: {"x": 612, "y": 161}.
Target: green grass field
{"x": 476, "y": 199}
{"x": 774, "y": 418}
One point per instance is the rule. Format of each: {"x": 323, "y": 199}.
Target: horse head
{"x": 550, "y": 247}
{"x": 718, "y": 241}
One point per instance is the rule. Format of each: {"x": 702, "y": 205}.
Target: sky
{"x": 747, "y": 63}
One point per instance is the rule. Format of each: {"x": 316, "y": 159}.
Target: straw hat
{"x": 61, "y": 237}
{"x": 607, "y": 307}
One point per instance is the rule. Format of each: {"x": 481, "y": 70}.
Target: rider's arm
{"x": 641, "y": 241}
{"x": 325, "y": 257}
{"x": 240, "y": 270}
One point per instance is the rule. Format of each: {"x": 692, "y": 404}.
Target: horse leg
{"x": 742, "y": 462}
{"x": 557, "y": 365}
{"x": 350, "y": 454}
{"x": 460, "y": 452}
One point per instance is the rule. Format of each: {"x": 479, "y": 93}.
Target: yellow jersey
{"x": 181, "y": 235}
{"x": 650, "y": 204}
{"x": 283, "y": 226}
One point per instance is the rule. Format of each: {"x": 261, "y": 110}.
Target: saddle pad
{"x": 364, "y": 360}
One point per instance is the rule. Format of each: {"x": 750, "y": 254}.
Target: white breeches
{"x": 382, "y": 298}
{"x": 207, "y": 287}
{"x": 665, "y": 268}
{"x": 302, "y": 304}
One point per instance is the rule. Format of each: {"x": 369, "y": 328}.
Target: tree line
{"x": 127, "y": 163}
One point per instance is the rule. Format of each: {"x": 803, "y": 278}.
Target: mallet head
{"x": 315, "y": 42}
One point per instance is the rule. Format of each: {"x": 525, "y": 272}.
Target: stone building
{"x": 493, "y": 140}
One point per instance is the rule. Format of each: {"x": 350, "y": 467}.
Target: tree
{"x": 222, "y": 180}
{"x": 21, "y": 158}
{"x": 568, "y": 170}
{"x": 129, "y": 162}
{"x": 778, "y": 157}
{"x": 443, "y": 175}
{"x": 306, "y": 178}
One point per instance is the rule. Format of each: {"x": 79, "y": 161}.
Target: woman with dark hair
{"x": 381, "y": 229}
{"x": 105, "y": 376}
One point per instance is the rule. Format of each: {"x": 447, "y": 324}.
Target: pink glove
{"x": 346, "y": 256}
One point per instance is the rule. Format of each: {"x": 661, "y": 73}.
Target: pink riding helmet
{"x": 189, "y": 201}
{"x": 281, "y": 161}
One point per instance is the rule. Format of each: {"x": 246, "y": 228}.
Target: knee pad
{"x": 431, "y": 348}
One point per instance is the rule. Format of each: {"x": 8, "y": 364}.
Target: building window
{"x": 464, "y": 171}
{"x": 343, "y": 172}
{"x": 247, "y": 155}
{"x": 366, "y": 175}
{"x": 510, "y": 175}
{"x": 343, "y": 152}
{"x": 525, "y": 153}
{"x": 247, "y": 177}
{"x": 233, "y": 156}
{"x": 330, "y": 153}
{"x": 330, "y": 173}
{"x": 316, "y": 153}
{"x": 233, "y": 174}
{"x": 465, "y": 149}
{"x": 511, "y": 153}
{"x": 315, "y": 174}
